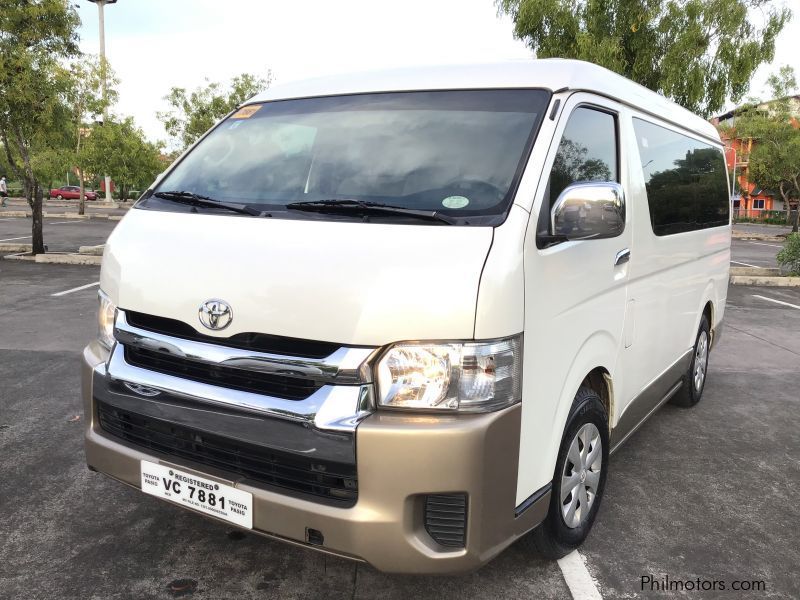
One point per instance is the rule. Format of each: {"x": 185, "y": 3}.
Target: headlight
{"x": 105, "y": 320}
{"x": 466, "y": 377}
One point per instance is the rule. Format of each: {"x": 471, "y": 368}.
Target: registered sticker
{"x": 246, "y": 112}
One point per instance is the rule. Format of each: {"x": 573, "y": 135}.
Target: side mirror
{"x": 590, "y": 210}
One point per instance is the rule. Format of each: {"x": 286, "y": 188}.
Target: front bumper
{"x": 400, "y": 459}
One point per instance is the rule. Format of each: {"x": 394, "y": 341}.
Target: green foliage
{"x": 789, "y": 256}
{"x": 194, "y": 113}
{"x": 770, "y": 217}
{"x": 775, "y": 159}
{"x": 119, "y": 147}
{"x": 35, "y": 38}
{"x": 697, "y": 52}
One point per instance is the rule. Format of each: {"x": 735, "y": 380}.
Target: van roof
{"x": 550, "y": 73}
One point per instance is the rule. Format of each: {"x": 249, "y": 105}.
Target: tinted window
{"x": 457, "y": 152}
{"x": 687, "y": 186}
{"x": 587, "y": 151}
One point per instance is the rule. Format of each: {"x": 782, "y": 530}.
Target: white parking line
{"x": 579, "y": 580}
{"x": 776, "y": 301}
{"x": 77, "y": 289}
{"x": 10, "y": 219}
{"x": 763, "y": 244}
{"x": 736, "y": 262}
{"x": 65, "y": 222}
{"x": 19, "y": 238}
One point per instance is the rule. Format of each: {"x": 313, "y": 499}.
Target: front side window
{"x": 459, "y": 153}
{"x": 587, "y": 152}
{"x": 687, "y": 186}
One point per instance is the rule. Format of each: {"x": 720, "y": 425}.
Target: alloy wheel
{"x": 700, "y": 361}
{"x": 581, "y": 476}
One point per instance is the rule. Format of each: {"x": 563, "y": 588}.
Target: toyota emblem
{"x": 215, "y": 314}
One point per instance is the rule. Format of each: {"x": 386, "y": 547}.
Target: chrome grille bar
{"x": 346, "y": 365}
{"x": 332, "y": 407}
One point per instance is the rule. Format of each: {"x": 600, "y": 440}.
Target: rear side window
{"x": 687, "y": 187}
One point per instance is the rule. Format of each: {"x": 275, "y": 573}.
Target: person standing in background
{"x": 3, "y": 191}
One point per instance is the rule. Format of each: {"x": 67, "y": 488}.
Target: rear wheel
{"x": 694, "y": 381}
{"x": 59, "y": 197}
{"x": 579, "y": 479}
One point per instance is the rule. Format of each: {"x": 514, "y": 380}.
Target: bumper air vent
{"x": 446, "y": 519}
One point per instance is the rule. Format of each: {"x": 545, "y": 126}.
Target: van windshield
{"x": 459, "y": 153}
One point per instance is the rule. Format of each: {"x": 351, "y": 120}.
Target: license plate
{"x": 199, "y": 493}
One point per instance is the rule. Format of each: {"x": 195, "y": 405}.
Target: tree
{"x": 120, "y": 147}
{"x": 775, "y": 158}
{"x": 86, "y": 103}
{"x": 697, "y": 52}
{"x": 35, "y": 35}
{"x": 194, "y": 113}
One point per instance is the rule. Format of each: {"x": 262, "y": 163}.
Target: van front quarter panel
{"x": 399, "y": 318}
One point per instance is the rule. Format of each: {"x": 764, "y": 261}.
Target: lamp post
{"x": 100, "y": 4}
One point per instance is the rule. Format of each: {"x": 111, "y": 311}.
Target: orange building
{"x": 749, "y": 200}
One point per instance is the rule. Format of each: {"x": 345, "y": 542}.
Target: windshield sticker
{"x": 246, "y": 112}
{"x": 455, "y": 202}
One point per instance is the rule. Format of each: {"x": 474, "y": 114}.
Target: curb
{"x": 49, "y": 215}
{"x": 765, "y": 281}
{"x": 65, "y": 215}
{"x": 758, "y": 237}
{"x": 69, "y": 259}
{"x": 21, "y": 256}
{"x": 756, "y": 271}
{"x": 92, "y": 250}
{"x": 16, "y": 247}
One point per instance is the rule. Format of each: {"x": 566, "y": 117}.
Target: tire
{"x": 694, "y": 380}
{"x": 556, "y": 537}
{"x": 59, "y": 197}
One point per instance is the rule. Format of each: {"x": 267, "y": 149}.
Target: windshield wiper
{"x": 197, "y": 200}
{"x": 345, "y": 205}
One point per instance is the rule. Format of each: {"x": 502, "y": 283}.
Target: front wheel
{"x": 59, "y": 197}
{"x": 579, "y": 479}
{"x": 694, "y": 381}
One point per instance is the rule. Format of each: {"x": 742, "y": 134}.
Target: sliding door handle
{"x": 622, "y": 257}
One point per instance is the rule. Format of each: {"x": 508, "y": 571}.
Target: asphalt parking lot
{"x": 705, "y": 493}
{"x": 754, "y": 253}
{"x": 60, "y": 234}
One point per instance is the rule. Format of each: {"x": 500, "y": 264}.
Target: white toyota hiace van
{"x": 406, "y": 318}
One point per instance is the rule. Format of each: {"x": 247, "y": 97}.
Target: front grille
{"x": 277, "y": 386}
{"x": 260, "y": 342}
{"x": 321, "y": 481}
{"x": 446, "y": 519}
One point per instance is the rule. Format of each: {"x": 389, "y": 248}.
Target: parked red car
{"x": 71, "y": 192}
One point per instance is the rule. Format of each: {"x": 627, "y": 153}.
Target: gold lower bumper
{"x": 401, "y": 458}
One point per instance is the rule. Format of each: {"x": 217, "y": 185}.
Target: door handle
{"x": 622, "y": 257}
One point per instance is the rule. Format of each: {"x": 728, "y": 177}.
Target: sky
{"x": 154, "y": 45}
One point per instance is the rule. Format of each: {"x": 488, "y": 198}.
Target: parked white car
{"x": 405, "y": 317}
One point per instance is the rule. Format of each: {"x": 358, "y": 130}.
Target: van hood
{"x": 349, "y": 283}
